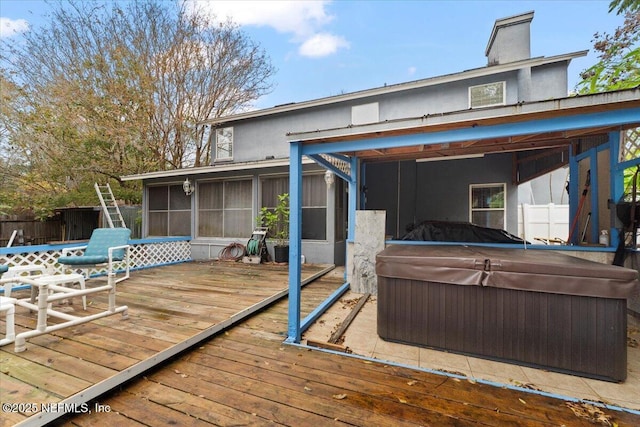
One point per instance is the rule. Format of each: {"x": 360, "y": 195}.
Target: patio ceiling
{"x": 509, "y": 129}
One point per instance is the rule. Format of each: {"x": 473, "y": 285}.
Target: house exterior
{"x": 251, "y": 151}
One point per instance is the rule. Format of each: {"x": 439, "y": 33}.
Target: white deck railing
{"x": 144, "y": 253}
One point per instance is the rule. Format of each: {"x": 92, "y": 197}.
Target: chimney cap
{"x": 526, "y": 17}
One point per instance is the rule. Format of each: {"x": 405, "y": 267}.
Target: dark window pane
{"x": 180, "y": 223}
{"x": 491, "y": 219}
{"x": 314, "y": 223}
{"x": 177, "y": 199}
{"x": 210, "y": 195}
{"x": 210, "y": 224}
{"x": 158, "y": 198}
{"x": 158, "y": 223}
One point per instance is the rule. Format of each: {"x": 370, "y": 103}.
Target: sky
{"x": 326, "y": 48}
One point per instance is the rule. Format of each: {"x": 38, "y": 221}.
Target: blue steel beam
{"x": 326, "y": 164}
{"x": 616, "y": 180}
{"x": 594, "y": 120}
{"x": 353, "y": 199}
{"x": 595, "y": 203}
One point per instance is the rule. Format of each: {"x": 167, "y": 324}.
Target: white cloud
{"x": 411, "y": 71}
{"x": 303, "y": 20}
{"x": 11, "y": 27}
{"x": 322, "y": 45}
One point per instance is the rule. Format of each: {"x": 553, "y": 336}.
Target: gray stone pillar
{"x": 369, "y": 239}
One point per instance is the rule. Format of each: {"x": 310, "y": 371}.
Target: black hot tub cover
{"x": 448, "y": 231}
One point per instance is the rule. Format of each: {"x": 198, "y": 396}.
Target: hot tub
{"x": 530, "y": 307}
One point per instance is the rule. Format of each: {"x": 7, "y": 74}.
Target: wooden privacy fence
{"x": 30, "y": 231}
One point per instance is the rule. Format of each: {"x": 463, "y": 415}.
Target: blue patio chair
{"x": 105, "y": 247}
{"x": 3, "y": 269}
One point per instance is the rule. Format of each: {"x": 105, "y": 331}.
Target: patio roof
{"x": 511, "y": 128}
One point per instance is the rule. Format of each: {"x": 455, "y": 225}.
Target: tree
{"x": 107, "y": 89}
{"x": 621, "y": 6}
{"x": 619, "y": 59}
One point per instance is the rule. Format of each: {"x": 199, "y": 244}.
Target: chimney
{"x": 510, "y": 39}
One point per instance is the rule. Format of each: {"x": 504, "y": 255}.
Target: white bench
{"x": 22, "y": 270}
{"x": 56, "y": 283}
{"x": 7, "y": 306}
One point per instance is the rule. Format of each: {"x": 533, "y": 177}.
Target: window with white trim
{"x": 225, "y": 208}
{"x": 169, "y": 211}
{"x": 488, "y": 205}
{"x": 224, "y": 143}
{"x": 487, "y": 95}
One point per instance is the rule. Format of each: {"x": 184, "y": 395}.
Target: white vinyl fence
{"x": 543, "y": 223}
{"x": 144, "y": 253}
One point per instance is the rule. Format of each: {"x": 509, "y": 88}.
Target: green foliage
{"x": 621, "y": 6}
{"x": 276, "y": 220}
{"x": 619, "y": 59}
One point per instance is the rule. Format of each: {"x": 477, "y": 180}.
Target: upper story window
{"x": 224, "y": 144}
{"x": 487, "y": 95}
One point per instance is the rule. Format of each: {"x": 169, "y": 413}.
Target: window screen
{"x": 487, "y": 95}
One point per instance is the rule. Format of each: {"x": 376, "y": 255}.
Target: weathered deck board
{"x": 169, "y": 307}
{"x": 248, "y": 376}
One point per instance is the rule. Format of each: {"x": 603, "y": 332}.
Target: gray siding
{"x": 261, "y": 137}
{"x": 412, "y": 192}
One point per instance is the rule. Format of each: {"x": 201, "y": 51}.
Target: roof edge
{"x": 226, "y": 167}
{"x": 619, "y": 97}
{"x": 431, "y": 81}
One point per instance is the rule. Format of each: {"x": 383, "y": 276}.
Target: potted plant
{"x": 277, "y": 221}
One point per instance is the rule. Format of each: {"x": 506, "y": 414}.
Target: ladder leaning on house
{"x": 109, "y": 206}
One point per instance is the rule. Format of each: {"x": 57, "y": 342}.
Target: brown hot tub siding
{"x": 578, "y": 334}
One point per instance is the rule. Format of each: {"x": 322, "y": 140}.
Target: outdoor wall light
{"x": 187, "y": 187}
{"x": 329, "y": 178}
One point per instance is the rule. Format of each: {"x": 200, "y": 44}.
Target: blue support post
{"x": 295, "y": 240}
{"x": 616, "y": 181}
{"x": 574, "y": 190}
{"x": 353, "y": 199}
{"x": 595, "y": 215}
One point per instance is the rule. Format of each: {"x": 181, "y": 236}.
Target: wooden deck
{"x": 170, "y": 309}
{"x": 246, "y": 375}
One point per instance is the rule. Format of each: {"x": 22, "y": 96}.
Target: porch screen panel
{"x": 314, "y": 207}
{"x": 314, "y": 202}
{"x": 158, "y": 223}
{"x": 169, "y": 211}
{"x": 210, "y": 212}
{"x": 271, "y": 189}
{"x": 237, "y": 208}
{"x": 341, "y": 210}
{"x": 224, "y": 209}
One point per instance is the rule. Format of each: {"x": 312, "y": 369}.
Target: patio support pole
{"x": 353, "y": 199}
{"x": 295, "y": 232}
{"x": 595, "y": 215}
{"x": 616, "y": 182}
{"x": 573, "y": 186}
